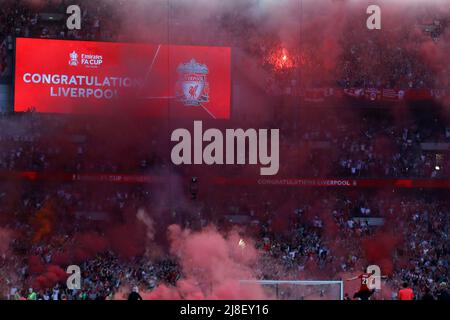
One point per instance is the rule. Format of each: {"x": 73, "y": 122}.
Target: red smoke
{"x": 43, "y": 222}
{"x": 51, "y": 277}
{"x": 379, "y": 248}
{"x": 212, "y": 265}
{"x": 35, "y": 265}
{"x": 5, "y": 238}
{"x": 123, "y": 239}
{"x": 47, "y": 276}
{"x": 126, "y": 241}
{"x": 88, "y": 245}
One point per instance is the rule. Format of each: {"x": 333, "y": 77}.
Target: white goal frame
{"x": 300, "y": 282}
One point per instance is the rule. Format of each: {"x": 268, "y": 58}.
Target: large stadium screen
{"x": 85, "y": 77}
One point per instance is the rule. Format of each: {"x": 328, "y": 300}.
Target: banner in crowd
{"x": 370, "y": 94}
{"x": 336, "y": 183}
{"x": 85, "y": 77}
{"x": 225, "y": 181}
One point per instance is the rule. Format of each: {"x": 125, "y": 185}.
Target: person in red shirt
{"x": 364, "y": 292}
{"x": 405, "y": 293}
{"x": 366, "y": 289}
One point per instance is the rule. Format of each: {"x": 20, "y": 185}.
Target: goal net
{"x": 301, "y": 289}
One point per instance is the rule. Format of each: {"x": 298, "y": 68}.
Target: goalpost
{"x": 301, "y": 289}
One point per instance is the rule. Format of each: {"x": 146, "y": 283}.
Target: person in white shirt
{"x": 55, "y": 294}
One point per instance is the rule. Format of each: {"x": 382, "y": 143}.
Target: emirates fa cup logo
{"x": 73, "y": 59}
{"x": 192, "y": 86}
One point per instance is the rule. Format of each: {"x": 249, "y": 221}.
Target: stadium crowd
{"x": 395, "y": 61}
{"x": 373, "y": 148}
{"x": 23, "y": 18}
{"x": 317, "y": 237}
{"x": 321, "y": 235}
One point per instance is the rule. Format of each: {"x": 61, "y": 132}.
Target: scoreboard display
{"x": 86, "y": 77}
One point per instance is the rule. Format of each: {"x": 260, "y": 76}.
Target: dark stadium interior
{"x": 364, "y": 120}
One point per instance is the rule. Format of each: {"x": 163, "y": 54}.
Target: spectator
{"x": 134, "y": 295}
{"x": 405, "y": 293}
